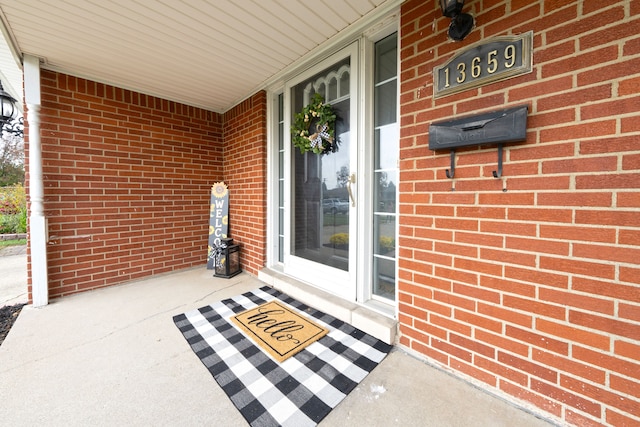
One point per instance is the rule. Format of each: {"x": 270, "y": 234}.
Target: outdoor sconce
{"x": 8, "y": 106}
{"x": 461, "y": 23}
{"x": 228, "y": 262}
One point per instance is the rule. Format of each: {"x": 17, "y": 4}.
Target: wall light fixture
{"x": 461, "y": 23}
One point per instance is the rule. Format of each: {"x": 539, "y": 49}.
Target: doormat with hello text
{"x": 301, "y": 390}
{"x": 278, "y": 330}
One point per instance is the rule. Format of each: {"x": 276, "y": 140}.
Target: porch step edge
{"x": 363, "y": 318}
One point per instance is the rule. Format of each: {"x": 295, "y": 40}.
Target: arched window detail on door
{"x": 333, "y": 87}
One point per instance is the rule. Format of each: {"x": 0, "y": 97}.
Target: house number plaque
{"x": 484, "y": 63}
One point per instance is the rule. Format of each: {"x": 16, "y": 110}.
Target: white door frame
{"x": 333, "y": 280}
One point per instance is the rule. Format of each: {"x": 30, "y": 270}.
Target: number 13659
{"x": 486, "y": 62}
{"x": 494, "y": 61}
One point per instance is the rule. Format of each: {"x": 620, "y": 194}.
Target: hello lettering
{"x": 280, "y": 330}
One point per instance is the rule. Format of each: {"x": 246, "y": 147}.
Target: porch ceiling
{"x": 206, "y": 53}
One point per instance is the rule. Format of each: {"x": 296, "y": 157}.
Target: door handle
{"x": 351, "y": 180}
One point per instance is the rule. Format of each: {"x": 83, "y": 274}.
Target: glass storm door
{"x": 322, "y": 243}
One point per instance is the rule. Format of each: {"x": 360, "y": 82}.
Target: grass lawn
{"x": 4, "y": 243}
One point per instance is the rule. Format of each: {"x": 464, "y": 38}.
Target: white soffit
{"x": 205, "y": 53}
{"x": 10, "y": 69}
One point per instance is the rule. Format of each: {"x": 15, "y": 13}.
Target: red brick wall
{"x": 127, "y": 182}
{"x": 535, "y": 291}
{"x": 245, "y": 173}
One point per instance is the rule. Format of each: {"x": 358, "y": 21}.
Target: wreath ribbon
{"x": 216, "y": 254}
{"x": 322, "y": 134}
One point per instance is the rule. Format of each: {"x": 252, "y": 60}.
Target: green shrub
{"x": 12, "y": 200}
{"x": 9, "y": 224}
{"x": 387, "y": 244}
{"x": 5, "y": 224}
{"x": 339, "y": 239}
{"x": 22, "y": 221}
{"x": 13, "y": 210}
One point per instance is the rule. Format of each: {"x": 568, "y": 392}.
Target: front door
{"x": 323, "y": 187}
{"x": 334, "y": 214}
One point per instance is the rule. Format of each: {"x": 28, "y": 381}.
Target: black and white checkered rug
{"x": 300, "y": 391}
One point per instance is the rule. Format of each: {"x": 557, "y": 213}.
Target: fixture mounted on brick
{"x": 461, "y": 23}
{"x": 8, "y": 106}
{"x": 495, "y": 127}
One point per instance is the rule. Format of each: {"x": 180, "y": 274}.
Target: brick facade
{"x": 127, "y": 182}
{"x": 245, "y": 171}
{"x": 533, "y": 291}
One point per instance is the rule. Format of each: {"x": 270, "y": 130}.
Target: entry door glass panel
{"x": 321, "y": 203}
{"x": 386, "y": 137}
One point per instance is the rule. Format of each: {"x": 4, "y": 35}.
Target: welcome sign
{"x": 218, "y": 220}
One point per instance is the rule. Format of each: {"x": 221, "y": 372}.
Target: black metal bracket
{"x": 498, "y": 174}
{"x": 451, "y": 174}
{"x": 496, "y": 127}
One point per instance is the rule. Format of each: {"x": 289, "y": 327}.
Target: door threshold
{"x": 363, "y": 318}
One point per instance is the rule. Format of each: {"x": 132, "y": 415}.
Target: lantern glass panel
{"x": 229, "y": 261}
{"x": 234, "y": 260}
{"x": 221, "y": 266}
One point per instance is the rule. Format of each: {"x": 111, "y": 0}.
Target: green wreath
{"x": 314, "y": 127}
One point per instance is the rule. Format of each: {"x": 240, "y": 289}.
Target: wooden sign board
{"x": 218, "y": 220}
{"x": 486, "y": 62}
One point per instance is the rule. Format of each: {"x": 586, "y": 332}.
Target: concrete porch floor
{"x": 114, "y": 357}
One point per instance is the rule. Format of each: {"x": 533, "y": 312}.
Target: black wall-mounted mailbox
{"x": 496, "y": 127}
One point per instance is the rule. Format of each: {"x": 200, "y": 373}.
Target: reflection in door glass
{"x": 385, "y": 168}
{"x": 320, "y": 221}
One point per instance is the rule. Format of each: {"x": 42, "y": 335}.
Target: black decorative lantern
{"x": 227, "y": 263}
{"x": 8, "y": 106}
{"x": 461, "y": 23}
